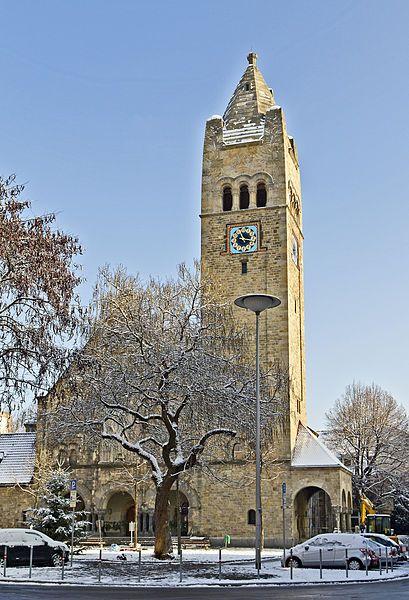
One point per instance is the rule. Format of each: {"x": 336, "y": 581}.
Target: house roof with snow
{"x": 17, "y": 454}
{"x": 309, "y": 451}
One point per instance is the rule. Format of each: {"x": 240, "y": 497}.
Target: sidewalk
{"x": 199, "y": 568}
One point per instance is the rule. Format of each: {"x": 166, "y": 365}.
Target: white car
{"x": 336, "y": 549}
{"x": 394, "y": 550}
{"x": 46, "y": 551}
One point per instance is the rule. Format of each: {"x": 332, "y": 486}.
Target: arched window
{"x": 244, "y": 196}
{"x": 261, "y": 198}
{"x": 73, "y": 458}
{"x": 227, "y": 199}
{"x": 251, "y": 517}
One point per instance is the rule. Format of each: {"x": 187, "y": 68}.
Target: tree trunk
{"x": 163, "y": 539}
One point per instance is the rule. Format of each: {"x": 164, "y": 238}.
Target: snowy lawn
{"x": 200, "y": 567}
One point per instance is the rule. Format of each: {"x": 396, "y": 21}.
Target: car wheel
{"x": 56, "y": 560}
{"x": 295, "y": 561}
{"x": 354, "y": 564}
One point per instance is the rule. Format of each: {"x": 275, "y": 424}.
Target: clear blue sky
{"x": 102, "y": 112}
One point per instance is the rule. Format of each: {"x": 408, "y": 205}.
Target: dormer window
{"x": 227, "y": 199}
{"x": 247, "y": 87}
{"x": 261, "y": 198}
{"x": 244, "y": 196}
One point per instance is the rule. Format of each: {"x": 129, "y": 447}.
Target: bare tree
{"x": 37, "y": 282}
{"x": 164, "y": 374}
{"x": 369, "y": 428}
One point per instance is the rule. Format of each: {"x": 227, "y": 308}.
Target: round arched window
{"x": 227, "y": 199}
{"x": 261, "y": 198}
{"x": 244, "y": 196}
{"x": 251, "y": 517}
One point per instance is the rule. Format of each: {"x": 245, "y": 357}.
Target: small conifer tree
{"x": 54, "y": 517}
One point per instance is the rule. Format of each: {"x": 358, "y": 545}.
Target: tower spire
{"x": 251, "y": 98}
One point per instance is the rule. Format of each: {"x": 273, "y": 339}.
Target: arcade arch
{"x": 313, "y": 512}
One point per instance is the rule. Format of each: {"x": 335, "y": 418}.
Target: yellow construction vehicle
{"x": 373, "y": 522}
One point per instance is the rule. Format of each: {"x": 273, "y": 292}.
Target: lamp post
{"x": 258, "y": 303}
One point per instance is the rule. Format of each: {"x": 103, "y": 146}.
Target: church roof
{"x": 17, "y": 454}
{"x": 250, "y": 101}
{"x": 309, "y": 451}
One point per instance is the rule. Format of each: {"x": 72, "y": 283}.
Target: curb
{"x": 200, "y": 585}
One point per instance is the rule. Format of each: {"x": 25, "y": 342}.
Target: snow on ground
{"x": 200, "y": 567}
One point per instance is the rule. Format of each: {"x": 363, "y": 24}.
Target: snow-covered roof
{"x": 17, "y": 454}
{"x": 309, "y": 451}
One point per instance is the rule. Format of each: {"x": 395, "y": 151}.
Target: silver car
{"x": 384, "y": 542}
{"x": 335, "y": 549}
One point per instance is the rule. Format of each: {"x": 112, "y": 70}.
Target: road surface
{"x": 396, "y": 590}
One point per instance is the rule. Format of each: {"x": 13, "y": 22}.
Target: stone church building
{"x": 251, "y": 238}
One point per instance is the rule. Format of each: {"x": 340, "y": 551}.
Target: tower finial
{"x": 252, "y": 58}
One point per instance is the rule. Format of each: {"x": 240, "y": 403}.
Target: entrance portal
{"x": 313, "y": 512}
{"x": 120, "y": 511}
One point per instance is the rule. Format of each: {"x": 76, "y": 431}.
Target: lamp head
{"x": 257, "y": 303}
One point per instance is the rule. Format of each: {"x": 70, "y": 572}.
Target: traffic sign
{"x": 284, "y": 488}
{"x": 73, "y": 485}
{"x": 73, "y": 498}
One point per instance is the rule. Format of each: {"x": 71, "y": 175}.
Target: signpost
{"x": 73, "y": 504}
{"x": 132, "y": 529}
{"x": 284, "y": 505}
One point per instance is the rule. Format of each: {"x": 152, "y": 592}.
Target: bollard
{"x": 346, "y": 563}
{"x": 386, "y": 555}
{"x": 392, "y": 563}
{"x": 99, "y": 564}
{"x": 31, "y": 562}
{"x": 380, "y": 561}
{"x": 320, "y": 563}
{"x": 180, "y": 566}
{"x": 366, "y": 562}
{"x": 139, "y": 564}
{"x": 62, "y": 567}
{"x": 220, "y": 563}
{"x": 291, "y": 563}
{"x": 5, "y": 561}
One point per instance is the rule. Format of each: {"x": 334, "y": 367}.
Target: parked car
{"x": 394, "y": 549}
{"x": 335, "y": 547}
{"x": 45, "y": 550}
{"x": 403, "y": 541}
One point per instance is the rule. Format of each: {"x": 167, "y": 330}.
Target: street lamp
{"x": 257, "y": 303}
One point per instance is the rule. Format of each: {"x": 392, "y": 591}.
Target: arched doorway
{"x": 313, "y": 512}
{"x": 120, "y": 511}
{"x": 184, "y": 513}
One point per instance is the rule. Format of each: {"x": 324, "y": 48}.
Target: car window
{"x": 314, "y": 542}
{"x": 372, "y": 545}
{"x": 380, "y": 541}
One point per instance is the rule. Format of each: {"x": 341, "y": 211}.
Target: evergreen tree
{"x": 54, "y": 517}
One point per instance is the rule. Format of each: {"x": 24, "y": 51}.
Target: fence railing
{"x": 216, "y": 567}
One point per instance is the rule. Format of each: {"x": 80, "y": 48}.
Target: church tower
{"x": 251, "y": 221}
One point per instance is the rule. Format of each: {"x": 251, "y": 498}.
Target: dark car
{"x": 16, "y": 544}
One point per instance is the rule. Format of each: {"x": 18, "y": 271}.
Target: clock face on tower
{"x": 243, "y": 239}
